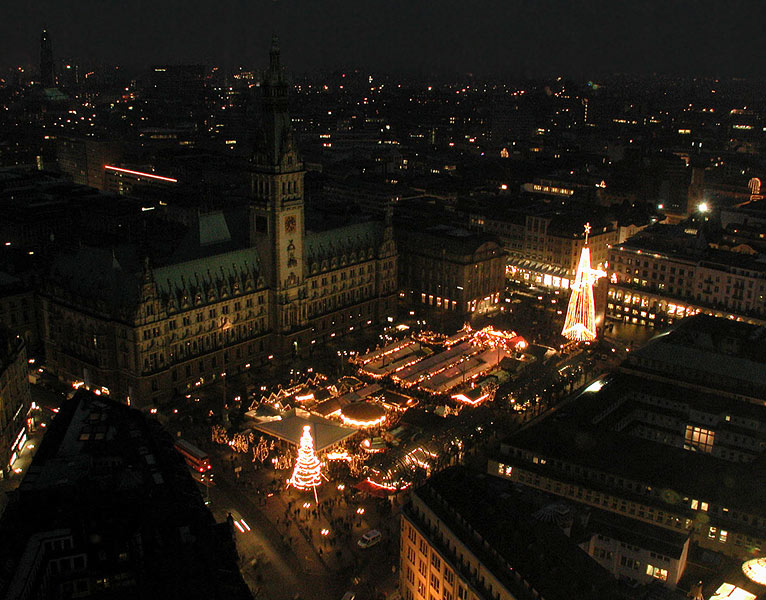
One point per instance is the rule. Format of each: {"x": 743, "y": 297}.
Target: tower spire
{"x": 47, "y": 74}
{"x": 274, "y": 66}
{"x": 276, "y": 134}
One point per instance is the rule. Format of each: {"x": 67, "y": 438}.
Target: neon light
{"x": 140, "y": 174}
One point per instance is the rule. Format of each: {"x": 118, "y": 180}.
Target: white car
{"x": 372, "y": 537}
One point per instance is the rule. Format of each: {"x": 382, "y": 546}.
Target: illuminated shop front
{"x": 537, "y": 274}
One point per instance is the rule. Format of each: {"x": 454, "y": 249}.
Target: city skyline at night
{"x": 581, "y": 39}
{"x": 403, "y": 301}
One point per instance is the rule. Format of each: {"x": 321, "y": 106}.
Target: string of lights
{"x": 580, "y": 322}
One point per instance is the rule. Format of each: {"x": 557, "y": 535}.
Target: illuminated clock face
{"x": 290, "y": 224}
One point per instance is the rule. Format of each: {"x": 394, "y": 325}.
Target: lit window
{"x": 695, "y": 504}
{"x": 723, "y": 536}
{"x": 657, "y": 572}
{"x": 699, "y": 439}
{"x": 703, "y": 506}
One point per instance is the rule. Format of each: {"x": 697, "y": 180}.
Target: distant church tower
{"x": 277, "y": 225}
{"x": 47, "y": 74}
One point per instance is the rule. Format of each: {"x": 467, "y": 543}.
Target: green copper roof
{"x": 202, "y": 272}
{"x": 342, "y": 240}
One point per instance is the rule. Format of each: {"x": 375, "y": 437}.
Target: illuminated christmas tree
{"x": 307, "y": 473}
{"x": 580, "y": 324}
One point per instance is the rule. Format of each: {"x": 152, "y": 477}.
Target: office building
{"x": 84, "y": 159}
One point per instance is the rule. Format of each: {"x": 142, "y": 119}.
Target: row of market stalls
{"x": 358, "y": 418}
{"x": 440, "y": 365}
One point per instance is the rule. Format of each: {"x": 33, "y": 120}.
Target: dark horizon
{"x": 578, "y": 39}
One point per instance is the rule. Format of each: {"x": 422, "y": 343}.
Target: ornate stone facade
{"x": 148, "y": 332}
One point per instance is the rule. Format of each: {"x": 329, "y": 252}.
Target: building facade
{"x": 544, "y": 244}
{"x": 666, "y": 273}
{"x": 15, "y": 400}
{"x": 18, "y": 310}
{"x": 638, "y": 553}
{"x": 83, "y": 159}
{"x": 229, "y": 297}
{"x": 450, "y": 269}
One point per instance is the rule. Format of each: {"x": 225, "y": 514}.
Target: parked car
{"x": 372, "y": 537}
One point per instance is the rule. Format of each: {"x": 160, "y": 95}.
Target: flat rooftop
{"x": 673, "y": 242}
{"x": 480, "y": 509}
{"x": 672, "y": 473}
{"x": 289, "y": 426}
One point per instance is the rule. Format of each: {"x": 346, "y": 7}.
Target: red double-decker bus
{"x": 197, "y": 459}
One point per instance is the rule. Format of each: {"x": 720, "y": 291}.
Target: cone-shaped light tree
{"x": 580, "y": 323}
{"x": 308, "y": 470}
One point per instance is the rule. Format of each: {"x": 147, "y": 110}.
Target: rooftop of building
{"x": 719, "y": 353}
{"x": 111, "y": 476}
{"x": 681, "y": 399}
{"x": 330, "y": 238}
{"x": 288, "y": 426}
{"x": 637, "y": 533}
{"x": 680, "y": 242}
{"x": 667, "y": 476}
{"x": 566, "y": 218}
{"x": 498, "y": 526}
{"x": 438, "y": 238}
{"x": 183, "y": 260}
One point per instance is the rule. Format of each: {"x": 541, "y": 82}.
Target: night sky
{"x": 582, "y": 38}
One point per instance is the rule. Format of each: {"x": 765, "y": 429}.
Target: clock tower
{"x": 277, "y": 225}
